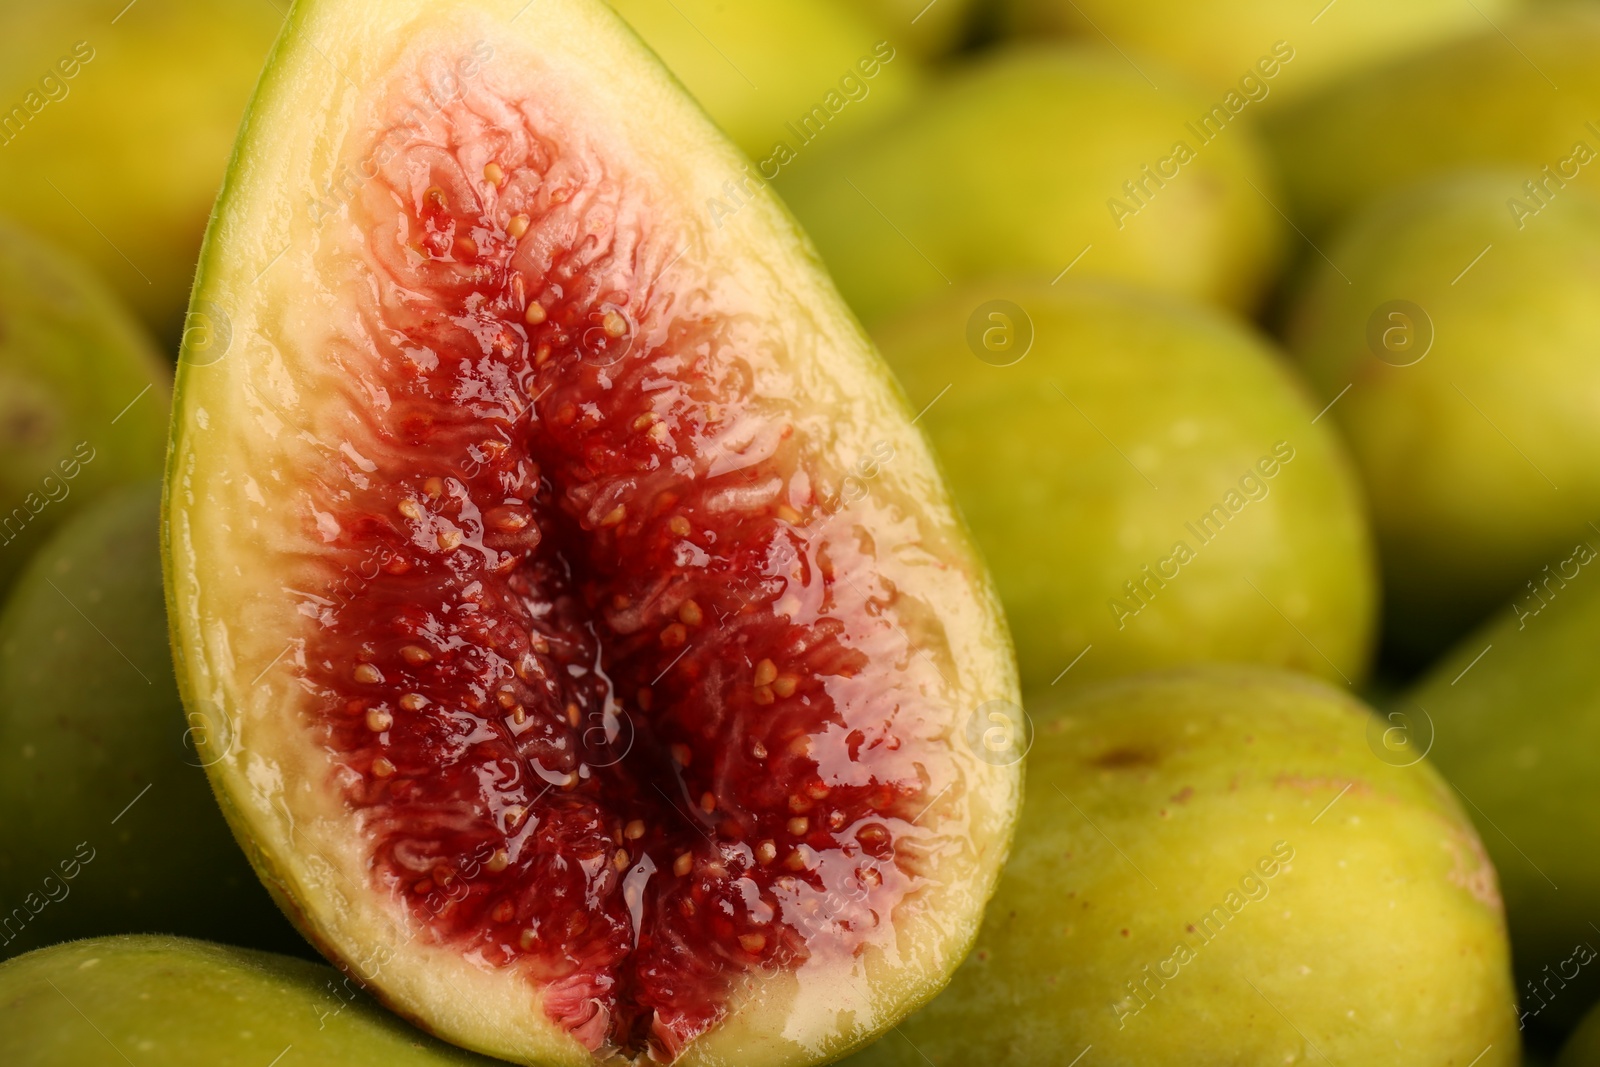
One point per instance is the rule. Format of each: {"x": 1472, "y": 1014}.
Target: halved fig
{"x": 597, "y": 647}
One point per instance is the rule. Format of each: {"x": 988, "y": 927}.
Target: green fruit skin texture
{"x": 121, "y": 161}
{"x": 91, "y": 723}
{"x": 113, "y": 1001}
{"x": 1010, "y": 167}
{"x": 1517, "y": 733}
{"x": 1217, "y": 43}
{"x": 1370, "y": 929}
{"x": 83, "y": 395}
{"x": 1461, "y": 453}
{"x": 1105, "y": 446}
{"x": 756, "y": 67}
{"x": 1477, "y": 101}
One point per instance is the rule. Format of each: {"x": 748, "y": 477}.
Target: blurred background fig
{"x": 113, "y": 1001}
{"x": 116, "y": 127}
{"x": 928, "y": 29}
{"x": 1213, "y": 866}
{"x": 1037, "y": 161}
{"x": 778, "y": 74}
{"x": 83, "y": 394}
{"x": 1521, "y": 94}
{"x": 1145, "y": 479}
{"x": 1455, "y": 342}
{"x": 1516, "y": 711}
{"x": 1219, "y": 45}
{"x": 110, "y": 825}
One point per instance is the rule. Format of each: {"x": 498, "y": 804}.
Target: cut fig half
{"x": 597, "y": 669}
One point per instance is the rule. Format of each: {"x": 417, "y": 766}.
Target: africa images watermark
{"x": 52, "y": 490}
{"x": 853, "y": 87}
{"x": 1253, "y": 88}
{"x": 1254, "y": 886}
{"x": 1254, "y": 485}
{"x": 1583, "y": 953}
{"x": 54, "y": 888}
{"x": 1526, "y": 607}
{"x": 53, "y": 88}
{"x": 1552, "y": 179}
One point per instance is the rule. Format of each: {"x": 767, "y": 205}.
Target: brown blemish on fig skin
{"x": 1120, "y": 759}
{"x": 1470, "y": 868}
{"x": 27, "y": 427}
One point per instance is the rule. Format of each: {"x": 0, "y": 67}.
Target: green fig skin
{"x": 758, "y": 68}
{"x": 1087, "y": 463}
{"x": 1219, "y": 44}
{"x": 1017, "y": 163}
{"x": 1473, "y": 102}
{"x": 1359, "y": 918}
{"x": 1461, "y": 452}
{"x": 1516, "y": 711}
{"x": 126, "y": 124}
{"x": 84, "y": 396}
{"x": 110, "y": 824}
{"x": 112, "y": 1001}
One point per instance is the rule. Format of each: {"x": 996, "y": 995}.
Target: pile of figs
{"x": 1044, "y": 532}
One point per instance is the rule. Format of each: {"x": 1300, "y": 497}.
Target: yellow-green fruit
{"x": 83, "y": 395}
{"x": 1034, "y": 161}
{"x": 1213, "y": 868}
{"x": 1219, "y": 44}
{"x": 116, "y": 1001}
{"x": 928, "y": 28}
{"x": 116, "y": 121}
{"x": 1490, "y": 99}
{"x": 1516, "y": 711}
{"x": 109, "y": 823}
{"x": 1466, "y": 339}
{"x": 1145, "y": 480}
{"x": 822, "y": 67}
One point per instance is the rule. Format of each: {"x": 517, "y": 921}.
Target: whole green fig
{"x": 114, "y": 1001}
{"x": 116, "y": 121}
{"x": 1524, "y": 94}
{"x": 84, "y": 397}
{"x": 1036, "y": 162}
{"x": 1455, "y": 344}
{"x": 1228, "y": 46}
{"x": 1145, "y": 479}
{"x": 1516, "y": 711}
{"x": 778, "y": 74}
{"x": 110, "y": 825}
{"x": 1214, "y": 867}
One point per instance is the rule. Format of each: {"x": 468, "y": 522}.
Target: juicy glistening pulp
{"x": 614, "y": 681}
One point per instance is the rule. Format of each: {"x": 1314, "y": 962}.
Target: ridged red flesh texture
{"x": 621, "y": 702}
